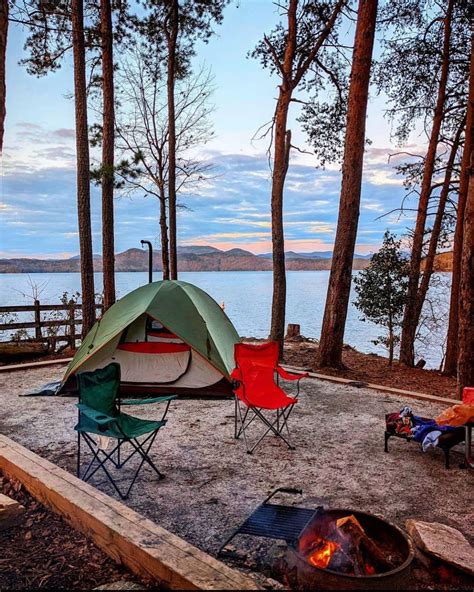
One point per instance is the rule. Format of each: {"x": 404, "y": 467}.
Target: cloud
{"x": 66, "y": 133}
{"x": 39, "y": 212}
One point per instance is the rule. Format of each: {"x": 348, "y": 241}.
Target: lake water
{"x": 247, "y": 296}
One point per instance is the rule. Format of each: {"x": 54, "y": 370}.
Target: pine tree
{"x": 381, "y": 291}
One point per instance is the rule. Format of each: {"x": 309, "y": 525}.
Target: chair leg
{"x": 446, "y": 457}
{"x": 78, "y": 465}
{"x": 281, "y": 422}
{"x": 100, "y": 465}
{"x": 271, "y": 427}
{"x": 235, "y": 418}
{"x": 138, "y": 448}
{"x": 134, "y": 451}
{"x": 387, "y": 438}
{"x": 243, "y": 427}
{"x": 96, "y": 451}
{"x": 145, "y": 459}
{"x": 286, "y": 414}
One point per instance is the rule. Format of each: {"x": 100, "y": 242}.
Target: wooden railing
{"x": 70, "y": 322}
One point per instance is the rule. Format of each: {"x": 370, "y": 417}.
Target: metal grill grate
{"x": 274, "y": 521}
{"x": 277, "y": 522}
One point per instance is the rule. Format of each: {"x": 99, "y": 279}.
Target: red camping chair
{"x": 256, "y": 391}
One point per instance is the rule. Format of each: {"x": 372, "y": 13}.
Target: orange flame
{"x": 322, "y": 555}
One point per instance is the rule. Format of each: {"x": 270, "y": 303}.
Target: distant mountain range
{"x": 191, "y": 258}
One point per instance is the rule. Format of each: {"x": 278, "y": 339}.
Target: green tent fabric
{"x": 186, "y": 310}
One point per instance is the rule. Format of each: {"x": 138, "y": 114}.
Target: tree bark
{"x": 466, "y": 288}
{"x": 3, "y": 51}
{"x": 335, "y": 313}
{"x": 450, "y": 363}
{"x": 172, "y": 35}
{"x": 282, "y": 144}
{"x": 290, "y": 78}
{"x": 280, "y": 168}
{"x": 435, "y": 232}
{"x": 466, "y": 294}
{"x": 409, "y": 325}
{"x": 108, "y": 125}
{"x": 83, "y": 171}
{"x": 164, "y": 238}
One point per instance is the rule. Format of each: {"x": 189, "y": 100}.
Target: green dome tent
{"x": 167, "y": 336}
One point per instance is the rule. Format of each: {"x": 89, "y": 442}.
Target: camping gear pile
{"x": 423, "y": 430}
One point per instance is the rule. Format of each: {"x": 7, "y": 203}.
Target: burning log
{"x": 364, "y": 551}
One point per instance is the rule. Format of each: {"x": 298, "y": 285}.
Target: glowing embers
{"x": 348, "y": 549}
{"x": 323, "y": 553}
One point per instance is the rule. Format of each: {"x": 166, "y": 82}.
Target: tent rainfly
{"x": 167, "y": 336}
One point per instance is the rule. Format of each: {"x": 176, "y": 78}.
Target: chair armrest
{"x": 287, "y": 376}
{"x": 148, "y": 401}
{"x": 97, "y": 416}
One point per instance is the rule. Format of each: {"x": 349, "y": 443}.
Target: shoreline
{"x": 362, "y": 369}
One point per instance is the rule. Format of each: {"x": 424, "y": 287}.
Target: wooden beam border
{"x": 145, "y": 548}
{"x": 377, "y": 387}
{"x": 29, "y": 365}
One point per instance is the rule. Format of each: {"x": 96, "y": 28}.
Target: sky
{"x": 231, "y": 209}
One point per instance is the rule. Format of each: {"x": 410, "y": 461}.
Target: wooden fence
{"x": 70, "y": 321}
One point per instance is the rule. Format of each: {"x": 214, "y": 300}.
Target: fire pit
{"x": 348, "y": 549}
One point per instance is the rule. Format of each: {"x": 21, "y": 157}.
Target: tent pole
{"x": 150, "y": 259}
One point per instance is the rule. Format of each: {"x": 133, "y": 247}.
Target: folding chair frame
{"x": 241, "y": 421}
{"x": 101, "y": 457}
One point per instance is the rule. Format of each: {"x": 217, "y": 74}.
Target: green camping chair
{"x": 100, "y": 415}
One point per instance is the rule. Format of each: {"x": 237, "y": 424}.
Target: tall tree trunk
{"x": 466, "y": 293}
{"x": 164, "y": 238}
{"x": 409, "y": 326}
{"x": 466, "y": 288}
{"x": 3, "y": 52}
{"x": 172, "y": 35}
{"x": 290, "y": 78}
{"x": 83, "y": 171}
{"x": 281, "y": 155}
{"x": 450, "y": 363}
{"x": 337, "y": 301}
{"x": 435, "y": 232}
{"x": 108, "y": 125}
{"x": 280, "y": 168}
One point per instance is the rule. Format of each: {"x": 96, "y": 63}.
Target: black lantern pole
{"x": 150, "y": 259}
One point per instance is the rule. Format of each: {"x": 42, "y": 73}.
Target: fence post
{"x": 38, "y": 335}
{"x": 72, "y": 326}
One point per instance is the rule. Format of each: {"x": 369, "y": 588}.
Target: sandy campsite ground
{"x": 212, "y": 485}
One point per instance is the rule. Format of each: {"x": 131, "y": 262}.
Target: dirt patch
{"x": 43, "y": 552}
{"x": 373, "y": 369}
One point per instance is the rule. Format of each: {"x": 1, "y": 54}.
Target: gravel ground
{"x": 212, "y": 485}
